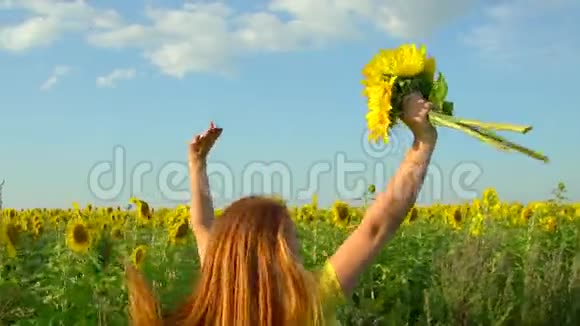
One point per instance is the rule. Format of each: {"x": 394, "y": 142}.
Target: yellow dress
{"x": 331, "y": 294}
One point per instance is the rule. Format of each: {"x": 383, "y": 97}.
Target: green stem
{"x": 496, "y": 126}
{"x": 511, "y": 145}
{"x": 442, "y": 120}
{"x": 484, "y": 135}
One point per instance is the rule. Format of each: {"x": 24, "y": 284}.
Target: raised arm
{"x": 389, "y": 209}
{"x": 201, "y": 209}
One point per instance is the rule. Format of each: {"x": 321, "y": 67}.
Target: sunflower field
{"x": 484, "y": 262}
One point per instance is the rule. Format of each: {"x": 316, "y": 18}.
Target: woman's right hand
{"x": 388, "y": 211}
{"x": 202, "y": 143}
{"x": 416, "y": 117}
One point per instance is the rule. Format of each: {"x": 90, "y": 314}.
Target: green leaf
{"x": 447, "y": 108}
{"x": 439, "y": 91}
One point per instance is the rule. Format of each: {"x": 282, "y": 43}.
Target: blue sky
{"x": 282, "y": 77}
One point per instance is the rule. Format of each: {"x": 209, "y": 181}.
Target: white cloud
{"x": 210, "y": 35}
{"x": 36, "y": 31}
{"x": 525, "y": 31}
{"x": 49, "y": 20}
{"x": 114, "y": 76}
{"x": 419, "y": 18}
{"x": 57, "y": 73}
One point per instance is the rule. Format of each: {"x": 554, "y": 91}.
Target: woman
{"x": 251, "y": 272}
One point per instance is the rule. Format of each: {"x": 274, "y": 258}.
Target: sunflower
{"x": 117, "y": 233}
{"x": 340, "y": 212}
{"x": 115, "y": 217}
{"x": 143, "y": 211}
{"x": 454, "y": 217}
{"x": 57, "y": 219}
{"x": 381, "y": 73}
{"x": 490, "y": 198}
{"x": 104, "y": 225}
{"x": 548, "y": 223}
{"x": 37, "y": 230}
{"x": 413, "y": 214}
{"x": 11, "y": 213}
{"x": 306, "y": 213}
{"x": 37, "y": 225}
{"x": 138, "y": 255}
{"x": 430, "y": 68}
{"x": 9, "y": 236}
{"x": 380, "y": 114}
{"x": 407, "y": 60}
{"x": 457, "y": 215}
{"x": 477, "y": 225}
{"x": 526, "y": 214}
{"x": 178, "y": 232}
{"x": 78, "y": 236}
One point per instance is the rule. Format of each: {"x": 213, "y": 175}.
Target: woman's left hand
{"x": 202, "y": 143}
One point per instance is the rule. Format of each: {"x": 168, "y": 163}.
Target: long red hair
{"x": 250, "y": 276}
